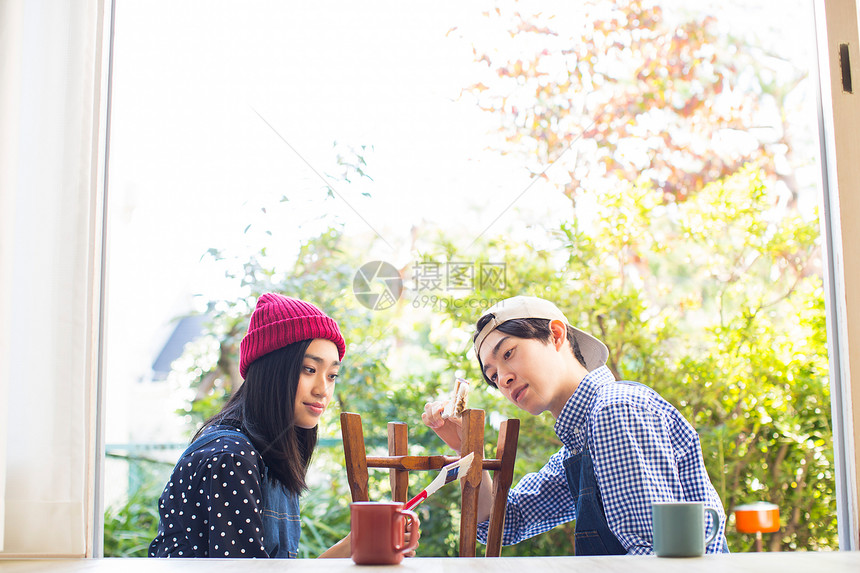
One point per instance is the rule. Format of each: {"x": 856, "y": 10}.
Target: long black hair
{"x": 530, "y": 328}
{"x": 263, "y": 408}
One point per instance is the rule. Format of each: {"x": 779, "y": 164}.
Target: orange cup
{"x": 378, "y": 532}
{"x": 759, "y": 517}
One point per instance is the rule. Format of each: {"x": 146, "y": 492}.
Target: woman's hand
{"x": 407, "y": 538}
{"x": 341, "y": 549}
{"x": 449, "y": 429}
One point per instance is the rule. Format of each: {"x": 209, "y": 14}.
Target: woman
{"x": 235, "y": 490}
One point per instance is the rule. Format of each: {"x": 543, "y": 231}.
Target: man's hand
{"x": 449, "y": 429}
{"x": 451, "y": 432}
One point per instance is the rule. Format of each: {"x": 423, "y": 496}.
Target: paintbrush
{"x": 447, "y": 474}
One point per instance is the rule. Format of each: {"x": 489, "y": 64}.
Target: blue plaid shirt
{"x": 643, "y": 451}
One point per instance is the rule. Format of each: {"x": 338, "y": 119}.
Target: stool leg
{"x": 398, "y": 446}
{"x": 758, "y": 540}
{"x": 470, "y": 484}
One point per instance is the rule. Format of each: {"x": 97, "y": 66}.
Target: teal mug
{"x": 679, "y": 528}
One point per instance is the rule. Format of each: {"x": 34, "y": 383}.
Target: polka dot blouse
{"x": 211, "y": 506}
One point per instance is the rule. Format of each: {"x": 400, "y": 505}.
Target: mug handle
{"x": 413, "y": 531}
{"x": 716, "y": 520}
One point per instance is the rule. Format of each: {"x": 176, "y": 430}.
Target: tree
{"x": 619, "y": 90}
{"x": 691, "y": 263}
{"x": 738, "y": 346}
{"x": 689, "y": 256}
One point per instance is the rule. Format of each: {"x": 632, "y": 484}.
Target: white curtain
{"x": 51, "y": 191}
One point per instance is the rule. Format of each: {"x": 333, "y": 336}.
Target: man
{"x": 624, "y": 446}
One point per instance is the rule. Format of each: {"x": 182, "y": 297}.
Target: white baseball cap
{"x": 593, "y": 351}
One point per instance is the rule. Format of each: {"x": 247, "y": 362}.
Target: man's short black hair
{"x": 530, "y": 328}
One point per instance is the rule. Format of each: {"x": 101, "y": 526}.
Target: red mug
{"x": 378, "y": 532}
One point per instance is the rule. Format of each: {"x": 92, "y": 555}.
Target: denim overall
{"x": 592, "y": 535}
{"x": 280, "y": 511}
{"x": 282, "y": 525}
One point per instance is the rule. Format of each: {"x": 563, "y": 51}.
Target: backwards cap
{"x": 593, "y": 351}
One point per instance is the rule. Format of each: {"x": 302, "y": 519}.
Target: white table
{"x": 799, "y": 562}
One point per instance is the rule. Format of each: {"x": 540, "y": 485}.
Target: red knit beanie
{"x": 278, "y": 321}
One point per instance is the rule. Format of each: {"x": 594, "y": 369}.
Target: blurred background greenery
{"x": 696, "y": 262}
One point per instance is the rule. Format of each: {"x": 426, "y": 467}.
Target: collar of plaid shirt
{"x": 571, "y": 426}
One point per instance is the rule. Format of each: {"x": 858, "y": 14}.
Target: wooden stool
{"x": 399, "y": 463}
